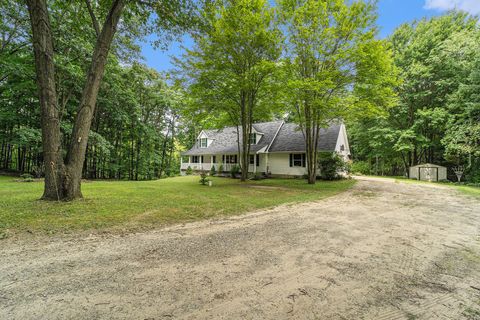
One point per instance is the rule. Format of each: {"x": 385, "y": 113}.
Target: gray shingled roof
{"x": 225, "y": 140}
{"x": 289, "y": 138}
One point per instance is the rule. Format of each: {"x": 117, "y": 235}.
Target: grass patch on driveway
{"x": 469, "y": 190}
{"x": 135, "y": 205}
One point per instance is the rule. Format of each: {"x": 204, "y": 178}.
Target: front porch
{"x": 226, "y": 162}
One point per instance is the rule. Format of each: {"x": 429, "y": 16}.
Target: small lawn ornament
{"x": 459, "y": 172}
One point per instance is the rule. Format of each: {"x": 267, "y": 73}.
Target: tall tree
{"x": 336, "y": 66}
{"x": 63, "y": 175}
{"x": 230, "y": 69}
{"x": 462, "y": 134}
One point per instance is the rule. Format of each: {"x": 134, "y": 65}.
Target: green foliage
{"x": 436, "y": 118}
{"x": 204, "y": 178}
{"x": 231, "y": 69}
{"x": 213, "y": 171}
{"x": 330, "y": 165}
{"x": 189, "y": 171}
{"x": 220, "y": 169}
{"x": 336, "y": 68}
{"x": 362, "y": 167}
{"x": 234, "y": 171}
{"x": 135, "y": 130}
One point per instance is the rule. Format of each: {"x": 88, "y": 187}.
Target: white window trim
{"x": 250, "y": 138}
{"x": 201, "y": 143}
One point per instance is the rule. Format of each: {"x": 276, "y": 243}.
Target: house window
{"x": 297, "y": 160}
{"x": 255, "y": 161}
{"x": 203, "y": 143}
{"x": 197, "y": 159}
{"x": 230, "y": 158}
{"x": 214, "y": 159}
{"x": 253, "y": 138}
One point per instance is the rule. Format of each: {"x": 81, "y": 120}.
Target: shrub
{"x": 472, "y": 174}
{"x": 220, "y": 169}
{"x": 189, "y": 171}
{"x": 362, "y": 167}
{"x": 330, "y": 164}
{"x": 213, "y": 171}
{"x": 203, "y": 178}
{"x": 234, "y": 171}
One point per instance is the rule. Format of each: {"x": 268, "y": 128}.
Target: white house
{"x": 277, "y": 148}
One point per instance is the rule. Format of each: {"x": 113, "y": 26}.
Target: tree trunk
{"x": 310, "y": 134}
{"x": 62, "y": 180}
{"x": 83, "y": 120}
{"x": 45, "y": 70}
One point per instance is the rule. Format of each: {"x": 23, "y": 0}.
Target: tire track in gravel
{"x": 383, "y": 250}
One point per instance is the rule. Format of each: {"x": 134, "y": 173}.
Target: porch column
{"x": 266, "y": 163}
{"x": 200, "y": 160}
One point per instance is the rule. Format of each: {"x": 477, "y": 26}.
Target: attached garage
{"x": 428, "y": 172}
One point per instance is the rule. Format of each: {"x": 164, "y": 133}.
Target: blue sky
{"x": 391, "y": 14}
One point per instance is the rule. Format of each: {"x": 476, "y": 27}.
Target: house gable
{"x": 342, "y": 147}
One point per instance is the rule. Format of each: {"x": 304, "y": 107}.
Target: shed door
{"x": 430, "y": 174}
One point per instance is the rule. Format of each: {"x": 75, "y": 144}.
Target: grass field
{"x": 473, "y": 191}
{"x": 131, "y": 205}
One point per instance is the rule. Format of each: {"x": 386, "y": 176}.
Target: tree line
{"x": 75, "y": 100}
{"x": 437, "y": 115}
{"x": 134, "y": 128}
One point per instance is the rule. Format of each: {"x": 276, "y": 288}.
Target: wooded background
{"x": 143, "y": 119}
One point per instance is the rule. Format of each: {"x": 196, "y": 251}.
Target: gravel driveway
{"x": 382, "y": 250}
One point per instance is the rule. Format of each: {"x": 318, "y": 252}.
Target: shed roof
{"x": 427, "y": 165}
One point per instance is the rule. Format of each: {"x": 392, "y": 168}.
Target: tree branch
{"x": 95, "y": 24}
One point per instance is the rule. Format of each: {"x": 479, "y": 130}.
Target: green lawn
{"x": 130, "y": 205}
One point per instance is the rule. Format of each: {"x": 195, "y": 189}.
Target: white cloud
{"x": 470, "y": 6}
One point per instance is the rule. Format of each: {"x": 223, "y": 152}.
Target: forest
{"x": 408, "y": 99}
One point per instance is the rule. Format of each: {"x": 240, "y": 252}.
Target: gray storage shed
{"x": 428, "y": 172}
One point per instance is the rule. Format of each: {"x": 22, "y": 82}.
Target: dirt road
{"x": 382, "y": 250}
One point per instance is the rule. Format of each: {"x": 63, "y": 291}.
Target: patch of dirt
{"x": 383, "y": 250}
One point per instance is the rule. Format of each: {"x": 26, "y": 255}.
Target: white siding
{"x": 343, "y": 140}
{"x": 263, "y": 164}
{"x": 279, "y": 163}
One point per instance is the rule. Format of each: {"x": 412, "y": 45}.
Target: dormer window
{"x": 253, "y": 138}
{"x": 203, "y": 143}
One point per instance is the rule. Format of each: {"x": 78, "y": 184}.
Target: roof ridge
{"x": 235, "y": 127}
{"x": 275, "y": 136}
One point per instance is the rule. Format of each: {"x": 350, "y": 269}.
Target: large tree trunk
{"x": 310, "y": 130}
{"x": 83, "y": 120}
{"x": 51, "y": 140}
{"x": 62, "y": 180}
